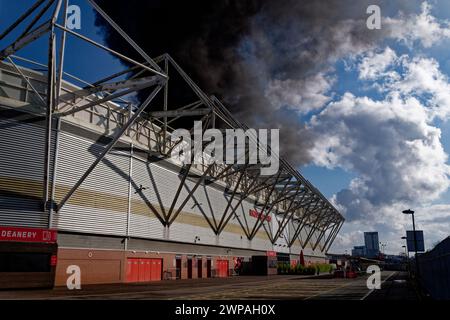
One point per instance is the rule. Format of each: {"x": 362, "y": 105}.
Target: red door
{"x": 219, "y": 268}
{"x": 144, "y": 270}
{"x": 225, "y": 268}
{"x": 222, "y": 268}
{"x": 155, "y": 269}
{"x": 132, "y": 270}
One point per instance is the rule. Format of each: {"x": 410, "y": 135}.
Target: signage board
{"x": 18, "y": 234}
{"x": 255, "y": 214}
{"x": 271, "y": 254}
{"x": 419, "y": 239}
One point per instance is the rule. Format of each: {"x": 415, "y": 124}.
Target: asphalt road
{"x": 244, "y": 288}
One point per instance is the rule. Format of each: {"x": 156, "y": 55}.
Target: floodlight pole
{"x": 415, "y": 245}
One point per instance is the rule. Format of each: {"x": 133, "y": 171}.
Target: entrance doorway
{"x": 199, "y": 268}
{"x": 208, "y": 268}
{"x": 178, "y": 268}
{"x": 189, "y": 268}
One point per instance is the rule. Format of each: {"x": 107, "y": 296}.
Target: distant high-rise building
{"x": 372, "y": 244}
{"x": 359, "y": 251}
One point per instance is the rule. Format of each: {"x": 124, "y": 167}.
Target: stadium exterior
{"x": 84, "y": 160}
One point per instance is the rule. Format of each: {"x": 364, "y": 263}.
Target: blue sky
{"x": 329, "y": 181}
{"x": 345, "y": 177}
{"x": 79, "y": 54}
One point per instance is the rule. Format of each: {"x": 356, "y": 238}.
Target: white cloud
{"x": 303, "y": 95}
{"x": 397, "y": 155}
{"x": 391, "y": 142}
{"x": 423, "y": 28}
{"x": 411, "y": 77}
{"x": 374, "y": 65}
{"x": 392, "y": 145}
{"x": 423, "y": 77}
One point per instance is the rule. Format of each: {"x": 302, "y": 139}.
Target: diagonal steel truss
{"x": 287, "y": 193}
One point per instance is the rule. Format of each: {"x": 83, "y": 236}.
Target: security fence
{"x": 435, "y": 270}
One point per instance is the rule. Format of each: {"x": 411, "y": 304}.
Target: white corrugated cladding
{"x": 292, "y": 226}
{"x": 206, "y": 201}
{"x": 233, "y": 235}
{"x": 309, "y": 246}
{"x": 261, "y": 244}
{"x": 296, "y": 248}
{"x": 187, "y": 233}
{"x": 322, "y": 241}
{"x": 315, "y": 237}
{"x": 191, "y": 222}
{"x": 261, "y": 241}
{"x": 160, "y": 187}
{"x": 303, "y": 234}
{"x": 307, "y": 250}
{"x": 143, "y": 222}
{"x": 281, "y": 244}
{"x": 21, "y": 174}
{"x": 100, "y": 204}
{"x": 302, "y": 237}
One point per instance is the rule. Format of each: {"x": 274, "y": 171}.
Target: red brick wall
{"x": 110, "y": 266}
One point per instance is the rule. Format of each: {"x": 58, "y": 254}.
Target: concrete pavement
{"x": 245, "y": 288}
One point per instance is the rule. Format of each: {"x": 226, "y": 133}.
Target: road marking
{"x": 213, "y": 288}
{"x": 332, "y": 289}
{"x": 260, "y": 289}
{"x": 372, "y": 290}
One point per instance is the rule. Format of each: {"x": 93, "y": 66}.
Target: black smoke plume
{"x": 235, "y": 48}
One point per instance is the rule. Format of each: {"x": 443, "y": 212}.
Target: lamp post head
{"x": 409, "y": 211}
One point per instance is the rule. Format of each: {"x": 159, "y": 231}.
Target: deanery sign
{"x": 27, "y": 234}
{"x": 259, "y": 215}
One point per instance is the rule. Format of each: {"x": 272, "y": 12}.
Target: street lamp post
{"x": 383, "y": 249}
{"x": 407, "y": 252}
{"x": 407, "y": 256}
{"x": 411, "y": 212}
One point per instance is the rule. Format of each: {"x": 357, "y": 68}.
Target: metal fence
{"x": 435, "y": 270}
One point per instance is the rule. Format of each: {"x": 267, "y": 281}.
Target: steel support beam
{"x": 179, "y": 113}
{"x": 261, "y": 214}
{"x": 314, "y": 225}
{"x": 244, "y": 195}
{"x": 336, "y": 225}
{"x": 287, "y": 185}
{"x": 20, "y": 43}
{"x": 334, "y": 236}
{"x": 124, "y": 35}
{"x": 302, "y": 223}
{"x": 132, "y": 86}
{"x": 49, "y": 110}
{"x": 282, "y": 225}
{"x": 322, "y": 233}
{"x": 109, "y": 147}
{"x": 21, "y": 18}
{"x": 231, "y": 198}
